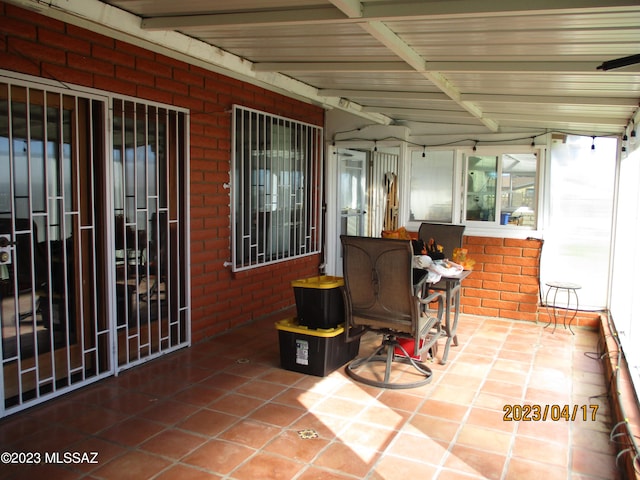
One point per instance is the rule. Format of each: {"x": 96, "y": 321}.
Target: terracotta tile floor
{"x": 225, "y": 409}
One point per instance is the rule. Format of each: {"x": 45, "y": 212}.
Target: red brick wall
{"x": 36, "y": 45}
{"x": 504, "y": 282}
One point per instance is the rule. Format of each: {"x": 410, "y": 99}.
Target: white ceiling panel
{"x": 502, "y": 64}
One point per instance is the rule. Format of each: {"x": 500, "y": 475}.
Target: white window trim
{"x": 488, "y": 229}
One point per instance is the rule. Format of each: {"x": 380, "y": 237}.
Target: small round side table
{"x": 570, "y": 289}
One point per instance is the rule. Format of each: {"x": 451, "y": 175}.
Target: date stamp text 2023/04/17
{"x": 555, "y": 413}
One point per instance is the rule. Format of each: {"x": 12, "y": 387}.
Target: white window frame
{"x": 499, "y": 151}
{"x": 490, "y": 228}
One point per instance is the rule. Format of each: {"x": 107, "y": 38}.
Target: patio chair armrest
{"x": 435, "y": 296}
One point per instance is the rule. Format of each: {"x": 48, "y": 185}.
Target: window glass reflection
{"x": 482, "y": 174}
{"x": 432, "y": 186}
{"x": 502, "y": 188}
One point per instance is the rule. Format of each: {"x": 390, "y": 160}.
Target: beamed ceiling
{"x": 495, "y": 66}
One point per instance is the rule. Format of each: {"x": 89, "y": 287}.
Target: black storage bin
{"x": 314, "y": 352}
{"x": 319, "y": 301}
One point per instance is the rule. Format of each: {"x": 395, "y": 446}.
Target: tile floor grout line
{"x": 310, "y": 464}
{"x": 470, "y": 407}
{"x": 415, "y": 410}
{"x": 514, "y": 433}
{"x": 463, "y": 423}
{"x": 245, "y": 417}
{"x": 107, "y": 400}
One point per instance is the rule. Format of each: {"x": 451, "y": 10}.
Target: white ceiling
{"x": 498, "y": 66}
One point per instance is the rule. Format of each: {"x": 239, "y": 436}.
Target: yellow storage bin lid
{"x": 291, "y": 325}
{"x": 321, "y": 282}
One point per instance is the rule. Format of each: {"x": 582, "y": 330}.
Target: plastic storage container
{"x": 314, "y": 352}
{"x": 319, "y": 301}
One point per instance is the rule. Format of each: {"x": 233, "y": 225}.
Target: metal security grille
{"x": 383, "y": 192}
{"x": 150, "y": 172}
{"x": 55, "y": 330}
{"x": 276, "y": 188}
{"x": 94, "y": 258}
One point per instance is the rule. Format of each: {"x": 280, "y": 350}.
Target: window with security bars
{"x": 276, "y": 188}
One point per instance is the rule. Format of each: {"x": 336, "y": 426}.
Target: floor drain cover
{"x": 307, "y": 433}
